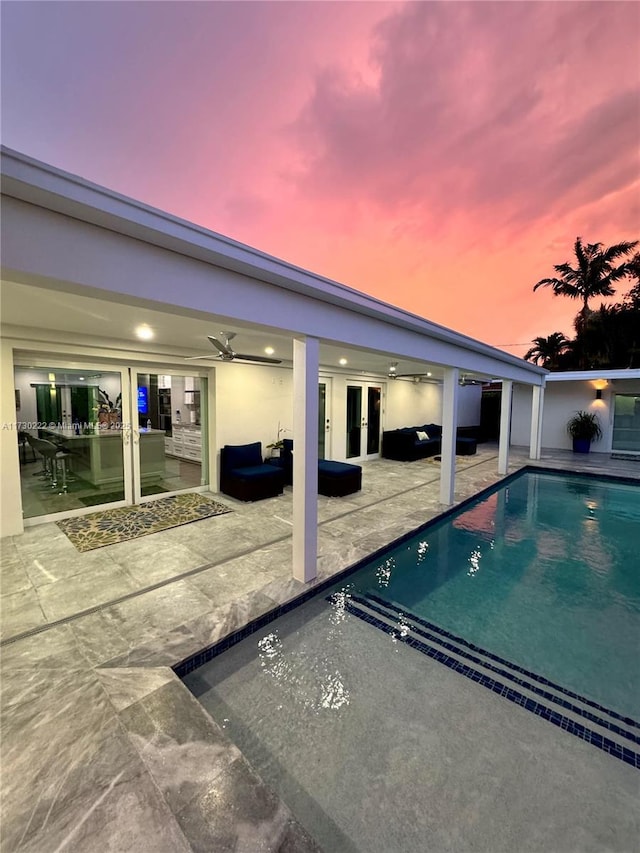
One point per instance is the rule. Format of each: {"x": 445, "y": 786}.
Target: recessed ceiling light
{"x": 269, "y": 350}
{"x": 342, "y": 361}
{"x": 144, "y": 332}
{"x": 81, "y": 378}
{"x": 428, "y": 374}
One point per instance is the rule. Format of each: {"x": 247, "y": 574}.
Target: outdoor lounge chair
{"x": 244, "y": 475}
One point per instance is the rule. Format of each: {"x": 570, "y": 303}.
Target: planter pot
{"x": 581, "y": 445}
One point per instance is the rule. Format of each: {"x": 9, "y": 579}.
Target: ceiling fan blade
{"x": 259, "y": 358}
{"x": 224, "y": 348}
{"x": 200, "y": 357}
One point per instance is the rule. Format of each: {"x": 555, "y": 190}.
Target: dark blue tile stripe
{"x": 504, "y": 673}
{"x": 628, "y": 756}
{"x": 628, "y": 721}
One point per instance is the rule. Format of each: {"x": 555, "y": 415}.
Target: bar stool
{"x": 23, "y": 443}
{"x": 55, "y": 455}
{"x": 35, "y": 444}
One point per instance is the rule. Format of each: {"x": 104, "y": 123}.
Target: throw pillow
{"x": 422, "y": 436}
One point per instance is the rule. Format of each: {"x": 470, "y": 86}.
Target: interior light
{"x": 144, "y": 332}
{"x": 81, "y": 378}
{"x": 342, "y": 361}
{"x": 52, "y": 377}
{"x": 428, "y": 374}
{"x": 269, "y": 350}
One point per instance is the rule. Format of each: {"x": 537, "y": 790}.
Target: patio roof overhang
{"x": 65, "y": 235}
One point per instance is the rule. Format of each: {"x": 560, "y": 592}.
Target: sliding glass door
{"x": 626, "y": 423}
{"x": 168, "y": 424}
{"x": 73, "y": 445}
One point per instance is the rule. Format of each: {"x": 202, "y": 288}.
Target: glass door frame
{"x": 326, "y": 427}
{"x": 364, "y": 385}
{"x": 41, "y": 360}
{"x": 632, "y": 428}
{"x": 163, "y": 369}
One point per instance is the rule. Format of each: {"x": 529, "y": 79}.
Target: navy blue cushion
{"x": 242, "y": 455}
{"x": 287, "y": 444}
{"x": 433, "y": 430}
{"x": 255, "y": 472}
{"x": 337, "y": 469}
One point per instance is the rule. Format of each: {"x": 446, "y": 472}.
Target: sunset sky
{"x": 441, "y": 156}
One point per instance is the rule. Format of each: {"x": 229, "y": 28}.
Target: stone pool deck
{"x": 102, "y": 746}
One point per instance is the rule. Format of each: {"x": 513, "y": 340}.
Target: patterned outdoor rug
{"x": 129, "y": 522}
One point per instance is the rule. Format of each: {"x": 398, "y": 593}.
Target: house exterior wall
{"x": 561, "y": 400}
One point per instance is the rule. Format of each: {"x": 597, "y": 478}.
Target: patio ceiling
{"x": 42, "y": 313}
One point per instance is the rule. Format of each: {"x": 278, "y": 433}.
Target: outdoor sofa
{"x": 419, "y": 442}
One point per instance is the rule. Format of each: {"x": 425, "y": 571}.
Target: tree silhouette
{"x": 594, "y": 274}
{"x": 547, "y": 351}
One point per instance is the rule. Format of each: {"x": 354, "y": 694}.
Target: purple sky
{"x": 440, "y": 156}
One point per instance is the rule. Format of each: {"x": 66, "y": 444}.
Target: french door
{"x": 363, "y": 426}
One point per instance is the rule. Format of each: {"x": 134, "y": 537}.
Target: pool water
{"x": 544, "y": 572}
{"x": 377, "y": 747}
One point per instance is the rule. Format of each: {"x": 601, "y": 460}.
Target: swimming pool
{"x": 344, "y": 706}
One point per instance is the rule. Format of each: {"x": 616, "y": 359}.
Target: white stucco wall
{"x": 562, "y": 399}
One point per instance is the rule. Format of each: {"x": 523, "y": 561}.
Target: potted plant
{"x": 275, "y": 448}
{"x": 584, "y": 427}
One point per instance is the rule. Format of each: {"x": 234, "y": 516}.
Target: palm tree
{"x": 547, "y": 351}
{"x": 593, "y": 276}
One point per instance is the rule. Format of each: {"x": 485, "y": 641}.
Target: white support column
{"x": 505, "y": 426}
{"x": 537, "y": 408}
{"x": 10, "y": 489}
{"x": 449, "y": 428}
{"x": 306, "y": 352}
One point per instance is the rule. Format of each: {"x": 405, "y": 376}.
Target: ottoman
{"x": 466, "y": 446}
{"x": 336, "y": 479}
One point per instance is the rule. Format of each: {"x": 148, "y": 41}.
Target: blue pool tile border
{"x": 623, "y": 753}
{"x": 629, "y": 721}
{"x": 504, "y": 673}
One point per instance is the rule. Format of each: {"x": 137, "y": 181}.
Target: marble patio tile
{"x": 170, "y": 729}
{"x": 20, "y": 612}
{"x": 158, "y": 648}
{"x": 221, "y": 584}
{"x": 13, "y": 577}
{"x": 8, "y": 552}
{"x": 286, "y": 589}
{"x": 94, "y": 587}
{"x": 238, "y": 812}
{"x": 148, "y": 565}
{"x": 44, "y": 540}
{"x": 55, "y": 567}
{"x": 101, "y": 636}
{"x": 103, "y": 802}
{"x": 214, "y": 546}
{"x": 147, "y": 630}
{"x": 212, "y": 627}
{"x": 51, "y": 649}
{"x": 125, "y": 687}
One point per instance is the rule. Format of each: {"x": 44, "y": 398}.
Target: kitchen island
{"x": 97, "y": 457}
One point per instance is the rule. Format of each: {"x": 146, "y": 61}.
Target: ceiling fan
{"x": 226, "y": 353}
{"x": 467, "y": 380}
